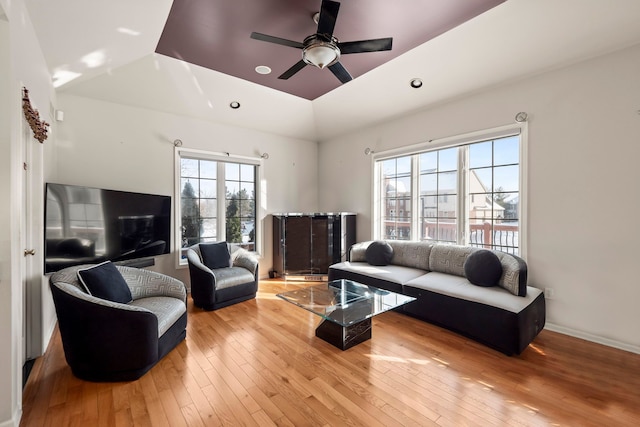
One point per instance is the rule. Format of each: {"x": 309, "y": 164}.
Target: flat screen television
{"x": 85, "y": 225}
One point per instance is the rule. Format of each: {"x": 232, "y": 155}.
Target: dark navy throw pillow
{"x": 105, "y": 281}
{"x": 215, "y": 255}
{"x": 483, "y": 268}
{"x": 379, "y": 253}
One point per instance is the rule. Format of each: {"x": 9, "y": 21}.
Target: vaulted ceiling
{"x": 107, "y": 50}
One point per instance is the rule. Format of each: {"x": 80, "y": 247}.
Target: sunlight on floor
{"x": 440, "y": 363}
{"x": 267, "y": 296}
{"x": 537, "y": 349}
{"x": 474, "y": 391}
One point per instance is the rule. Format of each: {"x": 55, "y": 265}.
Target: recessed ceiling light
{"x": 235, "y": 105}
{"x": 415, "y": 83}
{"x": 263, "y": 69}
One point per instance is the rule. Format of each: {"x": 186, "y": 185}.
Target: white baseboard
{"x": 48, "y": 334}
{"x": 593, "y": 338}
{"x": 15, "y": 421}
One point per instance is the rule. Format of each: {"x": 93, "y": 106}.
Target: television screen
{"x": 85, "y": 225}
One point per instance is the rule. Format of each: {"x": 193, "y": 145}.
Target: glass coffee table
{"x": 346, "y": 308}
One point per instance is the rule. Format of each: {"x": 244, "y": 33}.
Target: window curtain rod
{"x": 217, "y": 155}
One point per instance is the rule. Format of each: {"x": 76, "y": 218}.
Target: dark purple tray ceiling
{"x": 215, "y": 34}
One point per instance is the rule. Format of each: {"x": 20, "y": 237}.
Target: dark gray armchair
{"x": 213, "y": 288}
{"x": 111, "y": 341}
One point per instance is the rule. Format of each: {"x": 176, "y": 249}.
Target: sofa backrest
{"x": 448, "y": 259}
{"x": 405, "y": 253}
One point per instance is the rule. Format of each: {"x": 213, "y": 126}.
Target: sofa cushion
{"x": 449, "y": 258}
{"x": 390, "y": 273}
{"x": 405, "y": 253}
{"x": 105, "y": 281}
{"x": 411, "y": 254}
{"x": 459, "y": 287}
{"x": 379, "y": 253}
{"x": 215, "y": 255}
{"x": 232, "y": 276}
{"x": 168, "y": 310}
{"x": 483, "y": 268}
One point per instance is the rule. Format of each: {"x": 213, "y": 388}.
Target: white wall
{"x": 21, "y": 63}
{"x": 107, "y": 145}
{"x": 7, "y": 364}
{"x": 584, "y": 128}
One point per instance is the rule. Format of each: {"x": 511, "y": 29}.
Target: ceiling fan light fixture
{"x": 320, "y": 53}
{"x": 322, "y": 49}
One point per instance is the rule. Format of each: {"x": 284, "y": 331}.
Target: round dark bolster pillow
{"x": 483, "y": 268}
{"x": 379, "y": 253}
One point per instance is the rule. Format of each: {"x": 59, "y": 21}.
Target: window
{"x": 438, "y": 190}
{"x": 461, "y": 192}
{"x": 217, "y": 200}
{"x": 397, "y": 198}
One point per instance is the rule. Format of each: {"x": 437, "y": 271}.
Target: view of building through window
{"x": 217, "y": 202}
{"x": 467, "y": 194}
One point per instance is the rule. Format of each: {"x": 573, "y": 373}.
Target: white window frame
{"x": 191, "y": 153}
{"x": 520, "y": 129}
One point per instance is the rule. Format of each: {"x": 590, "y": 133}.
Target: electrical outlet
{"x": 549, "y": 293}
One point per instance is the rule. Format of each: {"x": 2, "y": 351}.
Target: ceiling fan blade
{"x": 328, "y": 16}
{"x": 340, "y": 72}
{"x": 291, "y": 71}
{"x": 374, "y": 45}
{"x": 276, "y": 40}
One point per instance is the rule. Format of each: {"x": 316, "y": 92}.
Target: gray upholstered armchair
{"x": 221, "y": 277}
{"x": 105, "y": 340}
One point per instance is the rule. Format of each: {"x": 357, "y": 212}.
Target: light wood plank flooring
{"x": 259, "y": 363}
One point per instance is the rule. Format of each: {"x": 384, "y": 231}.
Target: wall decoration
{"x": 39, "y": 127}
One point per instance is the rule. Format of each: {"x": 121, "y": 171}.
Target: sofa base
{"x": 497, "y": 328}
{"x": 509, "y": 333}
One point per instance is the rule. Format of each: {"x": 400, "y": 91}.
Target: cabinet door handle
{"x": 29, "y": 252}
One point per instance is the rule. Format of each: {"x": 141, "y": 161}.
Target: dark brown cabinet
{"x": 307, "y": 244}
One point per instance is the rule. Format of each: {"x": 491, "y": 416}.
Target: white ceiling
{"x": 109, "y": 45}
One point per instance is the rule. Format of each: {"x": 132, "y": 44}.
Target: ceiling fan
{"x": 322, "y": 49}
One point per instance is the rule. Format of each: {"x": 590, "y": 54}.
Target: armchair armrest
{"x": 243, "y": 258}
{"x": 198, "y": 272}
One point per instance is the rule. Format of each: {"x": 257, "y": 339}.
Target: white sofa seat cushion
{"x": 166, "y": 309}
{"x": 391, "y": 273}
{"x": 460, "y": 287}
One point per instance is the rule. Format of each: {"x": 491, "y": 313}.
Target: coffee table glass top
{"x": 345, "y": 302}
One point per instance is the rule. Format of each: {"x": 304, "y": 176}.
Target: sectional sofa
{"x": 506, "y": 314}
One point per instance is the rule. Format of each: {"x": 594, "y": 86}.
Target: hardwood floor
{"x": 259, "y": 363}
